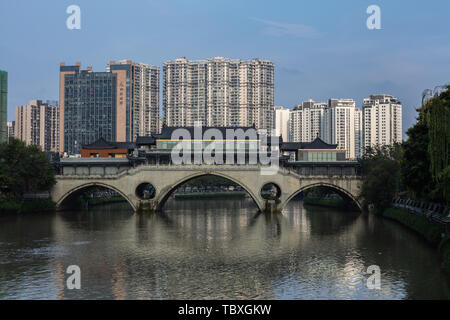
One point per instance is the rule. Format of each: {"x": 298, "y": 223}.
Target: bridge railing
{"x": 343, "y": 168}
{"x": 92, "y": 166}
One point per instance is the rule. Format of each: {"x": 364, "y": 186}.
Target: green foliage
{"x": 97, "y": 201}
{"x": 319, "y": 191}
{"x": 437, "y": 115}
{"x": 429, "y": 230}
{"x": 14, "y": 206}
{"x": 7, "y": 206}
{"x": 211, "y": 195}
{"x": 425, "y": 165}
{"x": 209, "y": 180}
{"x": 415, "y": 165}
{"x": 24, "y": 168}
{"x": 380, "y": 170}
{"x": 37, "y": 206}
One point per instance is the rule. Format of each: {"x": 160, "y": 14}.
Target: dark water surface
{"x": 215, "y": 249}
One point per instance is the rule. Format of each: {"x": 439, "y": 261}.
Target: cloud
{"x": 281, "y": 29}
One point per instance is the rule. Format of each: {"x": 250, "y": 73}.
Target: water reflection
{"x": 214, "y": 249}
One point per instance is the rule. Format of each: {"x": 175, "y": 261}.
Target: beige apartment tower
{"x": 218, "y": 92}
{"x": 38, "y": 123}
{"x": 138, "y": 85}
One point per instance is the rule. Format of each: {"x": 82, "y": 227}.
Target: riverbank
{"x": 105, "y": 200}
{"x": 28, "y": 206}
{"x": 430, "y": 231}
{"x": 210, "y": 195}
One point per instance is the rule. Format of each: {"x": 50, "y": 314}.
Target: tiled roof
{"x": 101, "y": 143}
{"x": 319, "y": 144}
{"x": 316, "y": 144}
{"x": 145, "y": 140}
{"x": 166, "y": 132}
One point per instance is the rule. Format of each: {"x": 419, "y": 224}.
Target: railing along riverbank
{"x": 434, "y": 212}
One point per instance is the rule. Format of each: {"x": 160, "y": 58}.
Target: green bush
{"x": 9, "y": 206}
{"x": 96, "y": 201}
{"x": 37, "y": 206}
{"x": 430, "y": 231}
{"x": 15, "y": 206}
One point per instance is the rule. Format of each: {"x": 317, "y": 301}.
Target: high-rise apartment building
{"x": 307, "y": 121}
{"x": 117, "y": 105}
{"x": 359, "y": 142}
{"x": 3, "y": 104}
{"x": 38, "y": 123}
{"x": 88, "y": 107}
{"x": 10, "y": 126}
{"x": 218, "y": 92}
{"x": 343, "y": 126}
{"x": 141, "y": 94}
{"x": 382, "y": 120}
{"x": 281, "y": 122}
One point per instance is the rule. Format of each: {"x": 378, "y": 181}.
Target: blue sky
{"x": 321, "y": 49}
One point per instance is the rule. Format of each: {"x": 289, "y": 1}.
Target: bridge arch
{"x": 323, "y": 184}
{"x": 93, "y": 184}
{"x": 165, "y": 194}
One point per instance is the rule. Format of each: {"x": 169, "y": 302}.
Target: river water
{"x": 215, "y": 249}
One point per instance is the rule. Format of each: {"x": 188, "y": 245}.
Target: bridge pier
{"x": 146, "y": 206}
{"x": 271, "y": 207}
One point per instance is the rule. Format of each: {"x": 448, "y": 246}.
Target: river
{"x": 215, "y": 249}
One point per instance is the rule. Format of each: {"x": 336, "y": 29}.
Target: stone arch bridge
{"x": 123, "y": 178}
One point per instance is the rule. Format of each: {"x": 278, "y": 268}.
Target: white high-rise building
{"x": 307, "y": 121}
{"x": 218, "y": 92}
{"x": 281, "y": 122}
{"x": 358, "y": 133}
{"x": 382, "y": 120}
{"x": 343, "y": 126}
{"x": 10, "y": 125}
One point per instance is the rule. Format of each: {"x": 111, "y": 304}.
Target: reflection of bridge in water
{"x": 171, "y": 241}
{"x": 125, "y": 177}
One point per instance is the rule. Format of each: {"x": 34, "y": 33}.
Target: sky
{"x": 321, "y": 49}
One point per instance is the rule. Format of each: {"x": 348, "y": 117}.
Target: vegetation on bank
{"x": 210, "y": 180}
{"x": 24, "y": 169}
{"x": 425, "y": 163}
{"x": 430, "y": 231}
{"x": 421, "y": 225}
{"x": 327, "y": 197}
{"x": 98, "y": 201}
{"x": 210, "y": 195}
{"x": 29, "y": 206}
{"x": 419, "y": 167}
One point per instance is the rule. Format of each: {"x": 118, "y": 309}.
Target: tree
{"x": 425, "y": 165}
{"x": 437, "y": 117}
{"x": 380, "y": 171}
{"x": 415, "y": 165}
{"x": 24, "y": 168}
